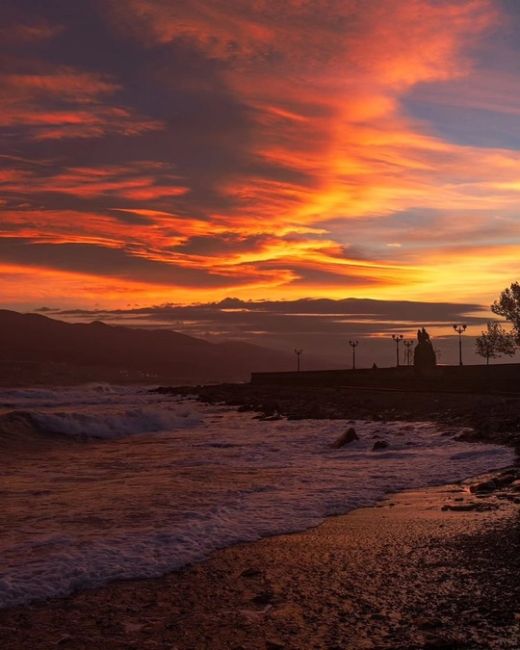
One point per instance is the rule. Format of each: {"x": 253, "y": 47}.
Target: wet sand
{"x": 418, "y": 571}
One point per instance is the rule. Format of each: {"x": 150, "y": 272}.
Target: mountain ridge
{"x": 36, "y": 346}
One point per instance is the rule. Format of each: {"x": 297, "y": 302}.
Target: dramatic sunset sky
{"x": 185, "y": 151}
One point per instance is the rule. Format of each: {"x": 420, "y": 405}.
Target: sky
{"x": 157, "y": 153}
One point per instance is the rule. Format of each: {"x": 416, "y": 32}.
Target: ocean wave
{"x": 22, "y": 426}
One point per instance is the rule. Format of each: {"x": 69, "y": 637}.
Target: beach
{"x": 137, "y": 519}
{"x": 405, "y": 574}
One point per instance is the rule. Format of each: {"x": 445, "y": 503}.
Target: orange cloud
{"x": 30, "y": 32}
{"x": 56, "y": 102}
{"x": 136, "y": 181}
{"x": 330, "y": 108}
{"x": 70, "y": 84}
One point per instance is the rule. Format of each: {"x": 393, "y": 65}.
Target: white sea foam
{"x": 98, "y": 411}
{"x": 190, "y": 479}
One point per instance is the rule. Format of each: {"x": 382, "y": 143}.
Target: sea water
{"x": 112, "y": 482}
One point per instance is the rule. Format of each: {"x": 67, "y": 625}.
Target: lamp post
{"x": 353, "y": 345}
{"x": 397, "y": 338}
{"x": 460, "y": 328}
{"x": 298, "y": 352}
{"x": 408, "y": 344}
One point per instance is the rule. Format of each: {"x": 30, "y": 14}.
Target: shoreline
{"x": 331, "y": 586}
{"x": 487, "y": 417}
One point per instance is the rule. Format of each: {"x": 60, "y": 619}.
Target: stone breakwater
{"x": 487, "y": 418}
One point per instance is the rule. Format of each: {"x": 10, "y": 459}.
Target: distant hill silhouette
{"x": 38, "y": 349}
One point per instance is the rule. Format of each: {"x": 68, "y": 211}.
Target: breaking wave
{"x": 22, "y": 426}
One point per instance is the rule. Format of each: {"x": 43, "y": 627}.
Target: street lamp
{"x": 298, "y": 352}
{"x": 397, "y": 338}
{"x": 460, "y": 328}
{"x": 408, "y": 344}
{"x": 353, "y": 345}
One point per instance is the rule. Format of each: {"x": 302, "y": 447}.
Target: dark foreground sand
{"x": 406, "y": 574}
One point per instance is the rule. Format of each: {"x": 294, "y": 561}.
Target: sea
{"x": 100, "y": 482}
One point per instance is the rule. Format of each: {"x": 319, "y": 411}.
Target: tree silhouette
{"x": 424, "y": 354}
{"x": 508, "y": 306}
{"x": 495, "y": 342}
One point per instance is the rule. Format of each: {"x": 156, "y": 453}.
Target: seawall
{"x": 475, "y": 378}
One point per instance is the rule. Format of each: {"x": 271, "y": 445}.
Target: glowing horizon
{"x": 190, "y": 151}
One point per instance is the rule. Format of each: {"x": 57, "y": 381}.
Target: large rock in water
{"x": 346, "y": 438}
{"x": 424, "y": 354}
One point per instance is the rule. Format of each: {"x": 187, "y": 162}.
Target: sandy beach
{"x": 425, "y": 569}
